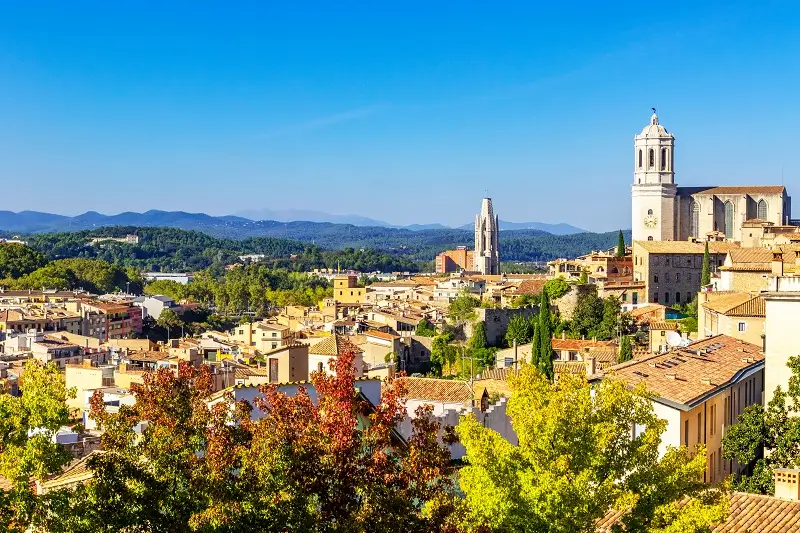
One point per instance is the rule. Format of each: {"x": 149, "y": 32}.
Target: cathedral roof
{"x": 654, "y": 129}
{"x": 748, "y": 189}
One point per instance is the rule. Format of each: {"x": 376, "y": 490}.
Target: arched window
{"x": 677, "y": 297}
{"x": 320, "y": 367}
{"x": 640, "y": 159}
{"x": 650, "y": 238}
{"x": 762, "y": 210}
{"x": 652, "y": 158}
{"x": 694, "y": 224}
{"x": 649, "y": 212}
{"x": 728, "y": 220}
{"x": 663, "y": 159}
{"x": 614, "y": 270}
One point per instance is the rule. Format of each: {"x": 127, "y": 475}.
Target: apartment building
{"x": 700, "y": 390}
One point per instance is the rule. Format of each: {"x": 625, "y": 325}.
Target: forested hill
{"x": 363, "y": 248}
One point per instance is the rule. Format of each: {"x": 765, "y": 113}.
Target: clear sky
{"x": 406, "y": 112}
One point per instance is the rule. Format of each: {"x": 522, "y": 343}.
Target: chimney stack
{"x": 777, "y": 264}
{"x": 786, "y": 484}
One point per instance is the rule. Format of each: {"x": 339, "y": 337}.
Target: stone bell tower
{"x": 487, "y": 225}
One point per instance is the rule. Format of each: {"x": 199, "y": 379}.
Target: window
{"x": 720, "y": 466}
{"x": 666, "y": 261}
{"x": 699, "y": 427}
{"x": 689, "y": 276}
{"x": 274, "y": 334}
{"x": 728, "y": 220}
{"x": 320, "y": 368}
{"x": 666, "y": 297}
{"x": 677, "y": 276}
{"x": 663, "y": 159}
{"x": 677, "y": 297}
{"x": 640, "y": 159}
{"x": 650, "y": 238}
{"x": 711, "y": 461}
{"x": 762, "y": 210}
{"x": 649, "y": 211}
{"x": 713, "y": 419}
{"x": 742, "y": 327}
{"x": 652, "y": 158}
{"x": 686, "y": 433}
{"x": 689, "y": 296}
{"x": 694, "y": 221}
{"x": 341, "y": 293}
{"x": 635, "y": 298}
{"x": 624, "y": 296}
{"x": 655, "y": 278}
{"x": 727, "y": 413}
{"x": 655, "y": 297}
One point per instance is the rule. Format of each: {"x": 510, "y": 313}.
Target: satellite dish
{"x": 674, "y": 339}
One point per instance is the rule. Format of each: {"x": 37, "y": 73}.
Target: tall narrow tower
{"x": 487, "y": 254}
{"x": 654, "y": 190}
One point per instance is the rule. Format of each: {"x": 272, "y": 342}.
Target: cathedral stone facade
{"x": 662, "y": 211}
{"x": 486, "y": 256}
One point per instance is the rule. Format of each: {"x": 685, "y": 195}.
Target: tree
{"x": 584, "y": 279}
{"x": 27, "y": 449}
{"x": 556, "y": 288}
{"x": 544, "y": 360}
{"x": 169, "y": 319}
{"x": 17, "y": 260}
{"x": 625, "y": 350}
{"x": 519, "y": 330}
{"x": 462, "y": 308}
{"x": 425, "y": 329}
{"x": 283, "y": 463}
{"x": 576, "y": 460}
{"x": 705, "y": 277}
{"x": 478, "y": 339}
{"x": 776, "y": 428}
{"x": 523, "y": 300}
{"x": 440, "y": 352}
{"x": 620, "y": 245}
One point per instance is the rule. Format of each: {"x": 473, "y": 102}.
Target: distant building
{"x": 454, "y": 260}
{"x": 127, "y": 239}
{"x": 486, "y": 257}
{"x": 178, "y": 277}
{"x": 347, "y": 291}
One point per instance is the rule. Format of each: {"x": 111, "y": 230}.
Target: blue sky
{"x": 405, "y": 112}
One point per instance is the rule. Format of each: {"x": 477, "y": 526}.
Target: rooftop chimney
{"x": 786, "y": 484}
{"x": 777, "y": 264}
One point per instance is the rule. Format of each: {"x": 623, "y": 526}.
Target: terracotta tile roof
{"x": 531, "y": 286}
{"x": 664, "y": 325}
{"x": 687, "y": 375}
{"x": 76, "y": 472}
{"x": 578, "y": 345}
{"x": 749, "y": 189}
{"x": 724, "y": 302}
{"x": 569, "y": 367}
{"x": 685, "y": 247}
{"x": 755, "y": 307}
{"x": 640, "y": 312}
{"x": 381, "y": 335}
{"x": 334, "y": 345}
{"x": 603, "y": 356}
{"x": 498, "y": 373}
{"x": 750, "y": 255}
{"x": 492, "y": 386}
{"x": 750, "y": 513}
{"x": 438, "y": 390}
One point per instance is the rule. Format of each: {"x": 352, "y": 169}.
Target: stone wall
{"x": 566, "y": 304}
{"x": 496, "y": 322}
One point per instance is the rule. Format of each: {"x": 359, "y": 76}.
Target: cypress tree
{"x": 620, "y": 245}
{"x": 625, "y": 350}
{"x": 544, "y": 360}
{"x": 705, "y": 279}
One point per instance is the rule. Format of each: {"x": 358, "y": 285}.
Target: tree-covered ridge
{"x": 327, "y": 245}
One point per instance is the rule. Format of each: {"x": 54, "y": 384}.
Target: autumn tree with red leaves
{"x": 286, "y": 464}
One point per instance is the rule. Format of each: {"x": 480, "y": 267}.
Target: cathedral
{"x": 486, "y": 257}
{"x": 662, "y": 211}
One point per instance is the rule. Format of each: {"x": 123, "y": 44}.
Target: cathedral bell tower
{"x": 653, "y": 206}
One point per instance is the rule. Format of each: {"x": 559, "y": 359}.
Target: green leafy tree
{"x": 425, "y": 329}
{"x": 776, "y": 428}
{"x": 523, "y": 300}
{"x": 705, "y": 276}
{"x": 556, "y": 288}
{"x": 576, "y": 460}
{"x": 584, "y": 279}
{"x": 169, "y": 319}
{"x": 27, "y": 450}
{"x": 17, "y": 260}
{"x": 462, "y": 308}
{"x": 478, "y": 339}
{"x": 544, "y": 360}
{"x": 620, "y": 245}
{"x": 440, "y": 352}
{"x": 625, "y": 350}
{"x": 519, "y": 330}
{"x": 167, "y": 287}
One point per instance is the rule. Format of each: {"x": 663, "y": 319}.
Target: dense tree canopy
{"x": 17, "y": 260}
{"x": 576, "y": 460}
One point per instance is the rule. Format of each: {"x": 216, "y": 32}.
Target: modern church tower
{"x": 654, "y": 190}
{"x": 487, "y": 255}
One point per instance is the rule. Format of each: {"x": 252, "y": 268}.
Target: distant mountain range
{"x": 247, "y": 224}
